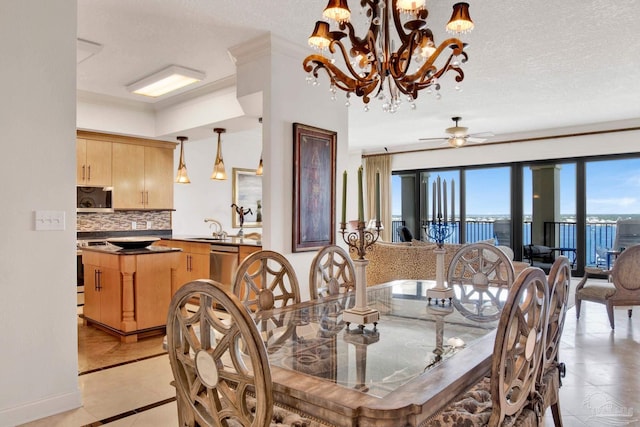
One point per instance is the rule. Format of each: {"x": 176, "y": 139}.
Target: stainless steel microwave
{"x": 94, "y": 199}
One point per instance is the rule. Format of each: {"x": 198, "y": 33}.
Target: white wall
{"x": 205, "y": 198}
{"x": 38, "y": 333}
{"x": 287, "y": 99}
{"x": 566, "y": 147}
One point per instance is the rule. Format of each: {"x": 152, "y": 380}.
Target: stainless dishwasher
{"x": 223, "y": 263}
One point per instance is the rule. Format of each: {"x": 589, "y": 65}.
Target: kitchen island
{"x": 128, "y": 291}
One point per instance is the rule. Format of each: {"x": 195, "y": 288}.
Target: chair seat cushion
{"x": 281, "y": 418}
{"x": 473, "y": 408}
{"x": 596, "y": 291}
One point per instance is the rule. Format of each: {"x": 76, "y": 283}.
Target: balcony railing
{"x": 599, "y": 236}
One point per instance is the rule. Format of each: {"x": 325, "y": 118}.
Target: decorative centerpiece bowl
{"x": 132, "y": 242}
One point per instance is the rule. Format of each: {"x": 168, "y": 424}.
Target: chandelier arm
{"x": 422, "y": 72}
{"x": 360, "y": 86}
{"x": 319, "y": 59}
{"x": 401, "y": 60}
{"x": 398, "y": 22}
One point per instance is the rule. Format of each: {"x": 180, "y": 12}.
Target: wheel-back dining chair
{"x": 481, "y": 275}
{"x": 549, "y": 378}
{"x": 221, "y": 377}
{"x": 263, "y": 281}
{"x": 622, "y": 290}
{"x": 332, "y": 272}
{"x": 509, "y": 395}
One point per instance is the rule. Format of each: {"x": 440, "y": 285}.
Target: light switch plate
{"x": 49, "y": 220}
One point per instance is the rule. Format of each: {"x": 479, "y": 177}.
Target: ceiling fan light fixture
{"x": 219, "y": 173}
{"x": 166, "y": 80}
{"x": 460, "y": 21}
{"x": 457, "y": 141}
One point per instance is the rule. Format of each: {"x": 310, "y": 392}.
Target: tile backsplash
{"x": 123, "y": 221}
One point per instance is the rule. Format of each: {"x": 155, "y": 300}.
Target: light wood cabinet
{"x": 193, "y": 263}
{"x": 244, "y": 251}
{"x": 93, "y": 162}
{"x": 142, "y": 177}
{"x": 128, "y": 294}
{"x": 102, "y": 294}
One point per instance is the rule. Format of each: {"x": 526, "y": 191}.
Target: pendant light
{"x": 182, "y": 177}
{"x": 260, "y": 168}
{"x": 219, "y": 174}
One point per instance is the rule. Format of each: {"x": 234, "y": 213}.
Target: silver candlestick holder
{"x": 440, "y": 231}
{"x": 360, "y": 241}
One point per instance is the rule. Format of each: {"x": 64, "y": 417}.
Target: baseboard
{"x": 39, "y": 409}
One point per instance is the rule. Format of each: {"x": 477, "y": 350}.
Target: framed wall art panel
{"x": 314, "y": 176}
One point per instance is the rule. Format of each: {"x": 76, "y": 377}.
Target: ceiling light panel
{"x": 164, "y": 81}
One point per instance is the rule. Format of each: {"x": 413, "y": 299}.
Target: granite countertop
{"x": 229, "y": 241}
{"x": 115, "y": 250}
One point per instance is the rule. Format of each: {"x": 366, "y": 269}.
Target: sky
{"x": 613, "y": 188}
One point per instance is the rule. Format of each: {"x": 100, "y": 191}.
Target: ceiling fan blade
{"x": 432, "y": 139}
{"x": 482, "y": 135}
{"x": 475, "y": 140}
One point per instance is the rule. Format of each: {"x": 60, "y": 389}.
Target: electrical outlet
{"x": 134, "y": 225}
{"x": 149, "y": 225}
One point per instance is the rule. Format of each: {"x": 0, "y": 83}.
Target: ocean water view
{"x": 600, "y": 232}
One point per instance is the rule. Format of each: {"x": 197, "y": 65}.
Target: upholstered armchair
{"x": 622, "y": 290}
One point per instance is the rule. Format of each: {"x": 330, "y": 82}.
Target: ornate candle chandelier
{"x": 372, "y": 66}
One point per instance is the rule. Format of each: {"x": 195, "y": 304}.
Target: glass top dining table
{"x": 416, "y": 358}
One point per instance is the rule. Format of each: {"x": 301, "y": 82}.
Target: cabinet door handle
{"x": 142, "y": 197}
{"x": 189, "y": 263}
{"x": 95, "y": 280}
{"x": 83, "y": 167}
{"x": 99, "y": 280}
{"x": 89, "y": 173}
{"x": 147, "y": 197}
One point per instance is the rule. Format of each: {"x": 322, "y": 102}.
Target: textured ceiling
{"x": 532, "y": 65}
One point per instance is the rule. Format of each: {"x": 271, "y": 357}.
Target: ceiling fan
{"x": 458, "y": 135}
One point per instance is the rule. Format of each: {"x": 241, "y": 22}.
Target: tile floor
{"x": 601, "y": 387}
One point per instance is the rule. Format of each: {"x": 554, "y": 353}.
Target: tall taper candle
{"x": 360, "y": 197}
{"x": 344, "y": 198}
{"x": 444, "y": 199}
{"x": 453, "y": 201}
{"x": 433, "y": 203}
{"x": 439, "y": 198}
{"x": 378, "y": 218}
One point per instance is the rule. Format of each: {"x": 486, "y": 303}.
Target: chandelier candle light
{"x": 439, "y": 229}
{"x": 371, "y": 65}
{"x": 360, "y": 241}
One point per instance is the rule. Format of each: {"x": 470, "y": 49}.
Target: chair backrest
{"x": 405, "y": 234}
{"x": 217, "y": 361}
{"x": 627, "y": 233}
{"x": 559, "y": 281}
{"x": 332, "y": 272}
{"x": 481, "y": 275}
{"x": 265, "y": 280}
{"x": 520, "y": 341}
{"x": 625, "y": 274}
{"x": 502, "y": 231}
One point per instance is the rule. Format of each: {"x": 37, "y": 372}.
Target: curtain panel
{"x": 381, "y": 164}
